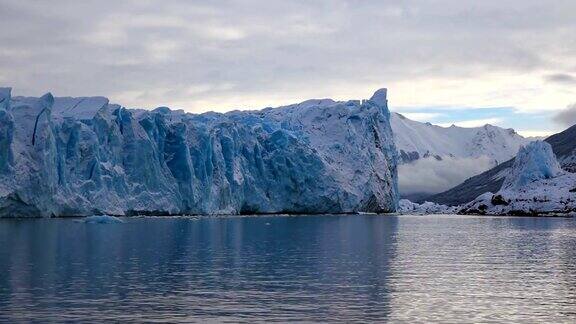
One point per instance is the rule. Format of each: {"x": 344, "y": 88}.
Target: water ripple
{"x": 278, "y": 269}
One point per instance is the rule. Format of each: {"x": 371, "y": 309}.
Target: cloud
{"x": 474, "y": 122}
{"x": 287, "y": 51}
{"x": 566, "y": 117}
{"x": 432, "y": 176}
{"x": 562, "y": 78}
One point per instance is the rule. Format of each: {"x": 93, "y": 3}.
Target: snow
{"x": 434, "y": 159}
{"x": 535, "y": 185}
{"x": 416, "y": 140}
{"x": 405, "y": 206}
{"x": 85, "y": 156}
{"x": 79, "y": 108}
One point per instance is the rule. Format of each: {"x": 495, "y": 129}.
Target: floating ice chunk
{"x": 408, "y": 207}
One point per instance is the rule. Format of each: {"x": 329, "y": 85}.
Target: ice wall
{"x": 82, "y": 156}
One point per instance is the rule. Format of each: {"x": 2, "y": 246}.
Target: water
{"x": 314, "y": 268}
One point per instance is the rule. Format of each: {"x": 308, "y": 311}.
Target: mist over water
{"x": 308, "y": 268}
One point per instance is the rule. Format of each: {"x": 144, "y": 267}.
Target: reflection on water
{"x": 338, "y": 268}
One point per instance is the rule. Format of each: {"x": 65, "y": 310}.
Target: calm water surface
{"x": 307, "y": 268}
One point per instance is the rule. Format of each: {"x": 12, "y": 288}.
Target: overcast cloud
{"x": 562, "y": 78}
{"x": 201, "y": 55}
{"x": 566, "y": 117}
{"x": 431, "y": 176}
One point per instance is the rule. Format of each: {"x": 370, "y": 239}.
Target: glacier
{"x": 535, "y": 185}
{"x": 564, "y": 149}
{"x": 533, "y": 162}
{"x": 87, "y": 156}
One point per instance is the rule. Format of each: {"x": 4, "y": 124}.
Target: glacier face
{"x": 83, "y": 156}
{"x": 534, "y": 162}
{"x": 535, "y": 185}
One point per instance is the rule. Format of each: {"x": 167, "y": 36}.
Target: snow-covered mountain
{"x": 563, "y": 145}
{"x": 81, "y": 156}
{"x": 434, "y": 158}
{"x": 416, "y": 140}
{"x": 534, "y": 185}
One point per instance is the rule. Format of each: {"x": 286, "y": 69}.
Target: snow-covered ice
{"x": 405, "y": 206}
{"x": 535, "y": 185}
{"x": 534, "y": 162}
{"x": 86, "y": 156}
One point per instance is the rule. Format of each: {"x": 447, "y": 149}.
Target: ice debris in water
{"x": 102, "y": 219}
{"x": 408, "y": 207}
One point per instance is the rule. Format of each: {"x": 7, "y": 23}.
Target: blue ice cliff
{"x": 85, "y": 156}
{"x": 534, "y": 162}
{"x": 536, "y": 185}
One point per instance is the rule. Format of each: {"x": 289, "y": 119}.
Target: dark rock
{"x": 499, "y": 200}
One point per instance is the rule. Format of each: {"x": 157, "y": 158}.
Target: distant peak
{"x": 379, "y": 97}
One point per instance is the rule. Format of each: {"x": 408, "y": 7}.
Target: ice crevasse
{"x": 83, "y": 156}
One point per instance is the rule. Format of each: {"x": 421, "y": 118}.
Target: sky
{"x": 510, "y": 63}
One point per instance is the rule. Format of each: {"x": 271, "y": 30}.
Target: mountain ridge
{"x": 563, "y": 146}
{"x": 419, "y": 140}
{"x": 433, "y": 158}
